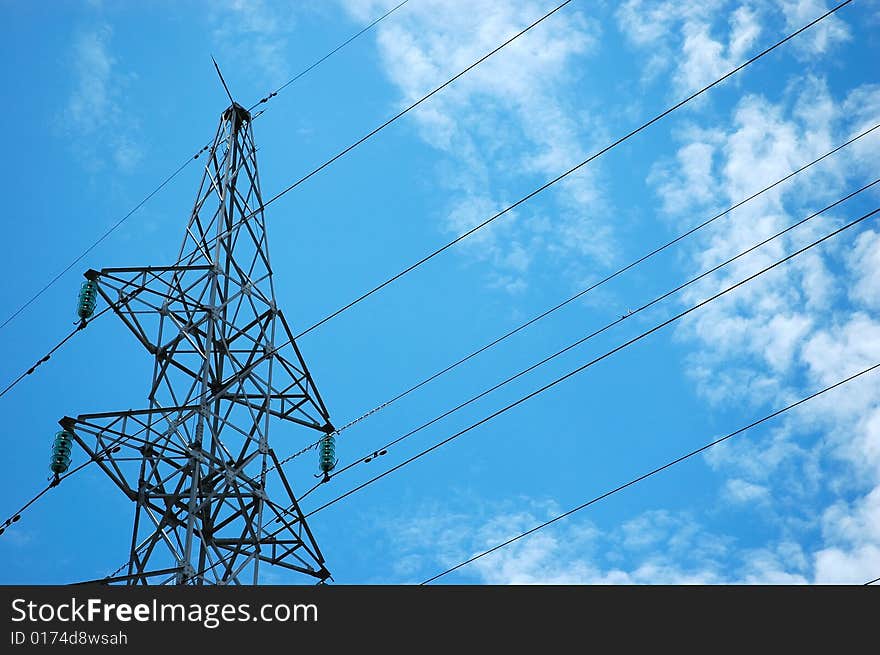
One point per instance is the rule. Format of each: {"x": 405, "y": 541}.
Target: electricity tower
{"x": 196, "y": 462}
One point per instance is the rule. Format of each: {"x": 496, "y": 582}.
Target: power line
{"x": 45, "y": 358}
{"x": 870, "y": 582}
{"x": 388, "y": 122}
{"x": 369, "y": 135}
{"x": 402, "y": 113}
{"x": 180, "y": 169}
{"x": 98, "y": 241}
{"x": 399, "y": 396}
{"x": 596, "y": 360}
{"x": 577, "y": 295}
{"x": 581, "y": 293}
{"x": 651, "y": 473}
{"x": 314, "y": 171}
{"x": 544, "y": 186}
{"x": 327, "y": 56}
{"x": 606, "y": 279}
{"x": 597, "y": 332}
{"x": 16, "y": 516}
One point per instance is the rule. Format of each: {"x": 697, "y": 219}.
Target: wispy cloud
{"x": 19, "y": 538}
{"x": 684, "y": 35}
{"x": 90, "y": 104}
{"x": 255, "y": 34}
{"x": 702, "y": 40}
{"x": 504, "y": 127}
{"x": 95, "y": 117}
{"x": 654, "y": 547}
{"x": 742, "y": 492}
{"x": 806, "y": 325}
{"x": 823, "y": 37}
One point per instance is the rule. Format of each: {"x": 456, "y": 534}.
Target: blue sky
{"x": 108, "y": 98}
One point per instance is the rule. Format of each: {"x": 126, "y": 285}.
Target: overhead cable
{"x": 384, "y": 448}
{"x": 180, "y": 169}
{"x": 541, "y": 188}
{"x": 598, "y": 359}
{"x": 651, "y": 473}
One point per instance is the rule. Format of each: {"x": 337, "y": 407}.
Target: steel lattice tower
{"x": 197, "y": 461}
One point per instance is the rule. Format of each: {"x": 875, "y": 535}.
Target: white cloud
{"x": 843, "y": 348}
{"x": 706, "y": 59}
{"x": 765, "y": 345}
{"x": 95, "y": 116}
{"x": 839, "y": 566}
{"x": 704, "y": 40}
{"x": 756, "y": 461}
{"x": 90, "y": 103}
{"x": 856, "y": 522}
{"x": 745, "y": 493}
{"x": 822, "y": 37}
{"x": 771, "y": 318}
{"x": 694, "y": 164}
{"x": 504, "y": 127}
{"x": 770, "y": 343}
{"x": 683, "y": 33}
{"x": 255, "y": 32}
{"x": 655, "y": 547}
{"x": 797, "y": 329}
{"x": 782, "y": 565}
{"x": 865, "y": 264}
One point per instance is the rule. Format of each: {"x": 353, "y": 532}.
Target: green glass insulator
{"x": 327, "y": 454}
{"x": 88, "y": 299}
{"x": 59, "y": 460}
